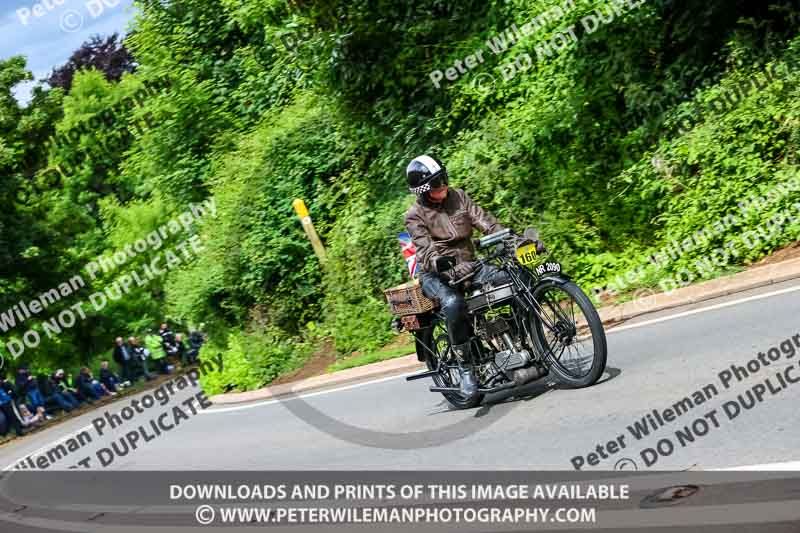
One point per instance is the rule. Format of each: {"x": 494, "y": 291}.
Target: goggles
{"x": 437, "y": 182}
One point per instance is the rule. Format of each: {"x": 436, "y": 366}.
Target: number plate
{"x": 547, "y": 268}
{"x": 526, "y": 255}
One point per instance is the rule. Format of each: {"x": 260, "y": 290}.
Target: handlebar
{"x": 485, "y": 242}
{"x": 456, "y": 282}
{"x": 494, "y": 238}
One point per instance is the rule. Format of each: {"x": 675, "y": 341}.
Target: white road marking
{"x": 791, "y": 466}
{"x": 309, "y": 395}
{"x": 613, "y": 330}
{"x": 47, "y": 447}
{"x": 705, "y": 309}
{"x": 59, "y": 441}
{"x": 776, "y": 466}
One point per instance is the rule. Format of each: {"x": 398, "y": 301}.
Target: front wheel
{"x": 568, "y": 332}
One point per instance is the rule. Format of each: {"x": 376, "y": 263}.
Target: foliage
{"x": 251, "y": 361}
{"x": 642, "y": 131}
{"x": 108, "y": 55}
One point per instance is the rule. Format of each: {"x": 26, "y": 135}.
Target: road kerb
{"x": 398, "y": 365}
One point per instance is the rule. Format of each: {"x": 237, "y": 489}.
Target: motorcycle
{"x": 536, "y": 323}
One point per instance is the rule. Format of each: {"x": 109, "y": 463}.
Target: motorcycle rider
{"x": 441, "y": 223}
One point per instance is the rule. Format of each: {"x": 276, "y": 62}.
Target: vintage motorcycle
{"x": 536, "y": 323}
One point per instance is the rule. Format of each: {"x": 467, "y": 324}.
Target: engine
{"x": 497, "y": 332}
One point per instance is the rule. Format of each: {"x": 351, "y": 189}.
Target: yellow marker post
{"x": 302, "y": 212}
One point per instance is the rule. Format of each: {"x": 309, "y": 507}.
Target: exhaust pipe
{"x": 526, "y": 375}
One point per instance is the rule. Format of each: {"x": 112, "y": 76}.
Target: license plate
{"x": 547, "y": 268}
{"x": 526, "y": 255}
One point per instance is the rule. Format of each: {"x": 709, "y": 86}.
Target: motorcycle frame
{"x": 505, "y": 259}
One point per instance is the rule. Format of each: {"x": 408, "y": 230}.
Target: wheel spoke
{"x": 565, "y": 340}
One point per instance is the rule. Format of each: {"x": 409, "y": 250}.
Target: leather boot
{"x": 469, "y": 382}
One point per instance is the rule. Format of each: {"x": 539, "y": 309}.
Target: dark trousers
{"x": 66, "y": 403}
{"x": 111, "y": 384}
{"x": 127, "y": 370}
{"x": 452, "y": 304}
{"x": 87, "y": 391}
{"x": 11, "y": 417}
{"x": 141, "y": 369}
{"x": 35, "y": 399}
{"x": 452, "y": 301}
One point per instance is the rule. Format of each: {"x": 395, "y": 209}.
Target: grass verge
{"x": 391, "y": 351}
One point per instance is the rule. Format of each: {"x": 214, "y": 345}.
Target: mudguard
{"x": 425, "y": 322}
{"x": 560, "y": 279}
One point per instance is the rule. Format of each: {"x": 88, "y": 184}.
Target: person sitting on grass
{"x": 7, "y": 395}
{"x": 100, "y": 389}
{"x": 29, "y": 419}
{"x": 28, "y": 389}
{"x": 109, "y": 379}
{"x": 88, "y": 387}
{"x": 59, "y": 380}
{"x": 53, "y": 398}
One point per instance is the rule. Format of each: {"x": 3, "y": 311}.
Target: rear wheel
{"x": 569, "y": 333}
{"x": 440, "y": 358}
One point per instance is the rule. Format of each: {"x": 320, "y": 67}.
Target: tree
{"x": 108, "y": 55}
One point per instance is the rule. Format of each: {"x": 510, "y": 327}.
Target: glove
{"x": 444, "y": 263}
{"x": 460, "y": 270}
{"x": 540, "y": 249}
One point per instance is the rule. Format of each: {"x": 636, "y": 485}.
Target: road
{"x": 654, "y": 363}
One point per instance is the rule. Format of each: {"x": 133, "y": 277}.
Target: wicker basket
{"x": 407, "y": 299}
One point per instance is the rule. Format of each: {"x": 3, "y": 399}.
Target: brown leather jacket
{"x": 446, "y": 229}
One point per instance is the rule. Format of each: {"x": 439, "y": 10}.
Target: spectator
{"x": 158, "y": 356}
{"x": 179, "y": 350}
{"x": 53, "y": 396}
{"x": 28, "y": 419}
{"x": 109, "y": 379}
{"x": 124, "y": 357}
{"x": 196, "y": 340}
{"x": 59, "y": 380}
{"x": 87, "y": 386}
{"x": 99, "y": 389}
{"x": 7, "y": 406}
{"x": 27, "y": 389}
{"x": 141, "y": 355}
{"x": 167, "y": 337}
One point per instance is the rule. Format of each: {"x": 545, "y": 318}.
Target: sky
{"x": 47, "y": 32}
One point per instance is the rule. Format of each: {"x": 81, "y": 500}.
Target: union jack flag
{"x": 409, "y": 253}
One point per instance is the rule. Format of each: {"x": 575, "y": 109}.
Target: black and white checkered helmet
{"x": 425, "y": 173}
